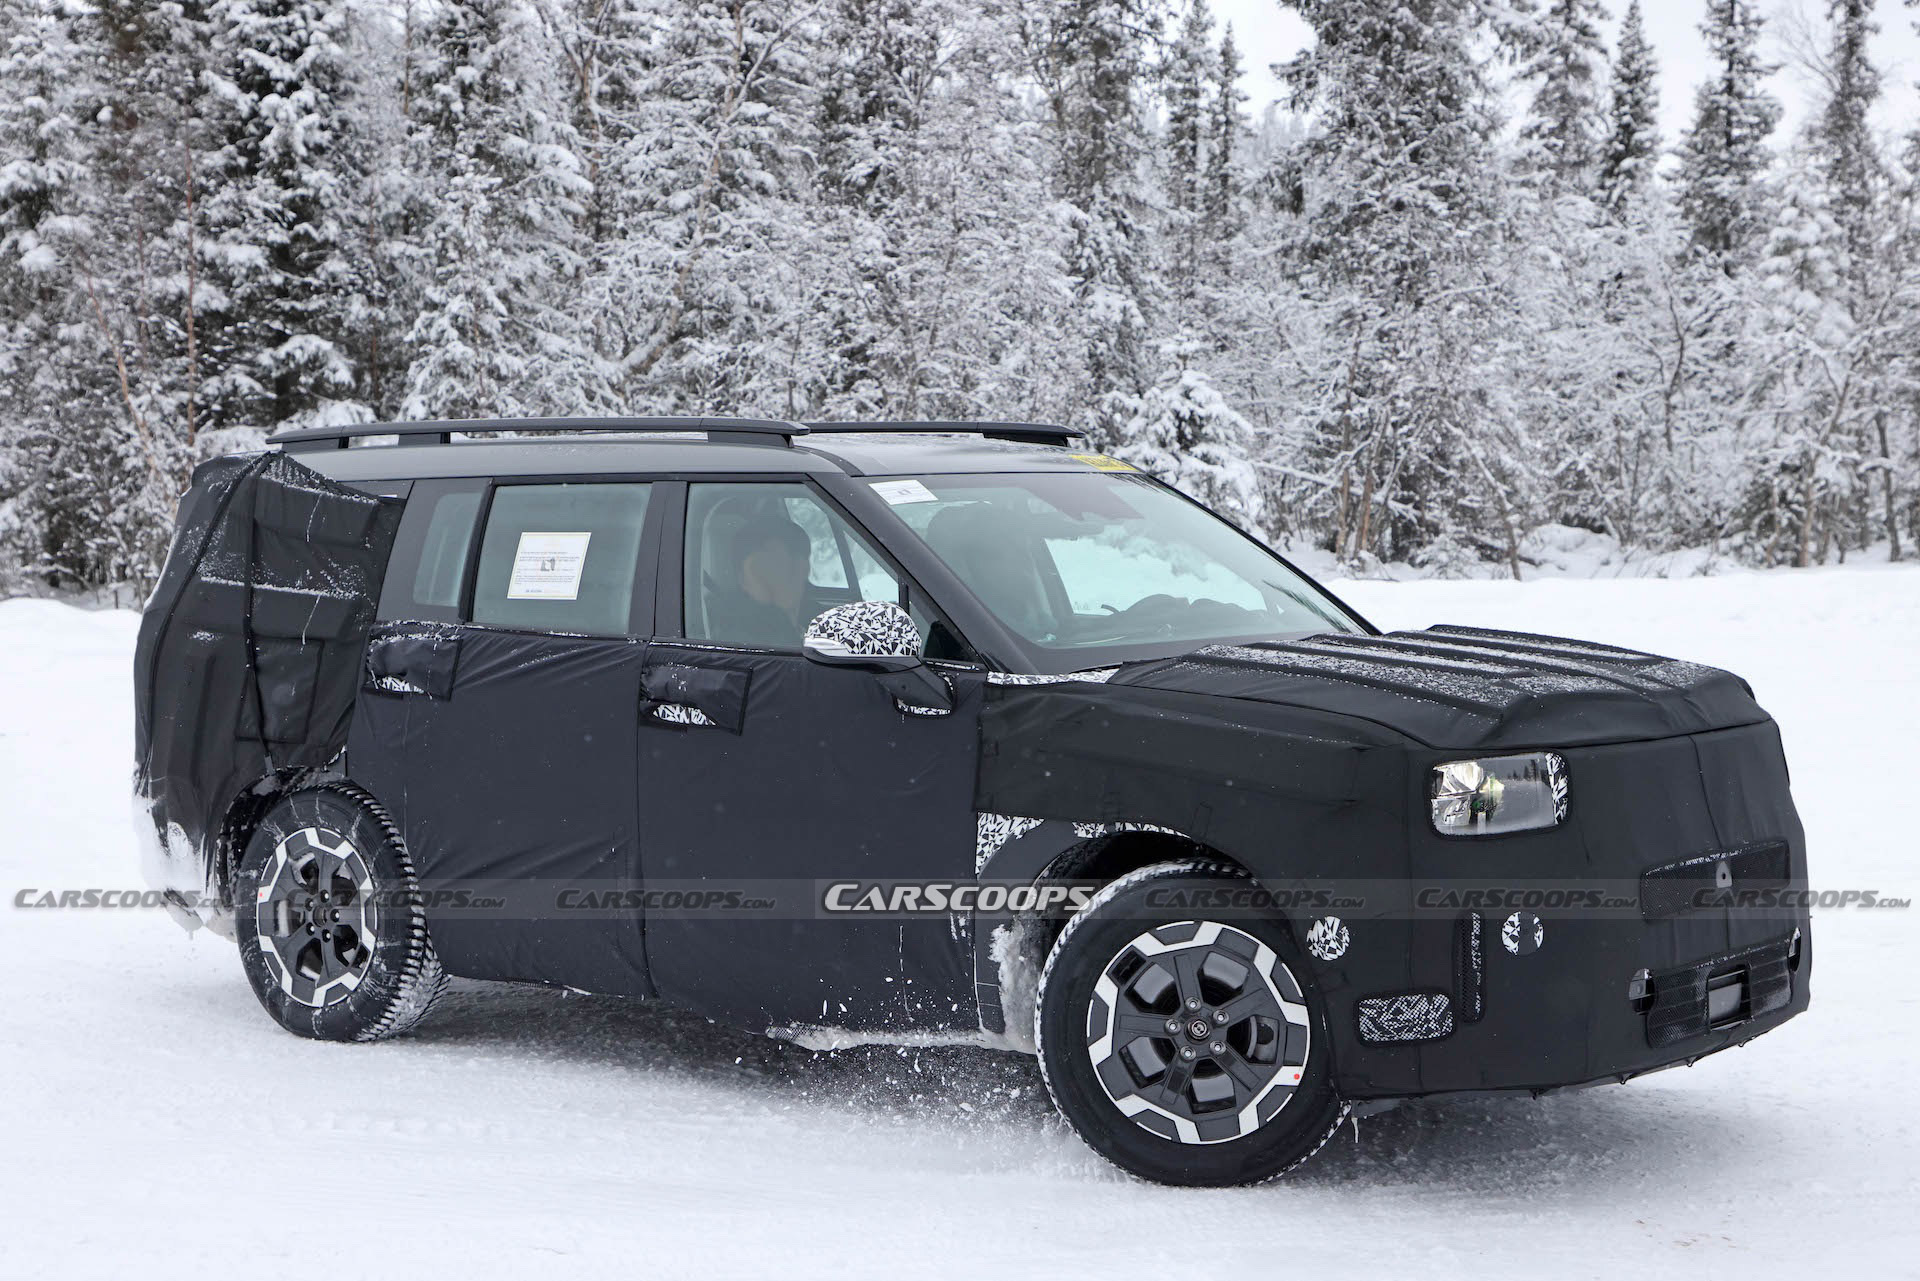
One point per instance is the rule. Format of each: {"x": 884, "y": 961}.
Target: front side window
{"x": 561, "y": 558}
{"x": 763, "y": 559}
{"x": 1099, "y": 567}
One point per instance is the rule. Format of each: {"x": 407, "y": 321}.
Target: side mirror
{"x": 874, "y": 635}
{"x": 878, "y": 636}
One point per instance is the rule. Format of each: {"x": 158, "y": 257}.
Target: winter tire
{"x": 1185, "y": 1050}
{"x": 328, "y": 917}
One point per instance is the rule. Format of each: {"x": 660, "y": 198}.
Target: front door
{"x": 776, "y": 776}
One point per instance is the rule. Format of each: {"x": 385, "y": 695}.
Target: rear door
{"x": 777, "y": 776}
{"x": 500, "y": 722}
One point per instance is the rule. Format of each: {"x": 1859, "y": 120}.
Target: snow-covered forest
{"x": 1457, "y": 295}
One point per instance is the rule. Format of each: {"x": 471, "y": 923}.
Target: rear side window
{"x": 561, "y": 558}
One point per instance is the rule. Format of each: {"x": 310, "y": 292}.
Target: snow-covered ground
{"x": 163, "y": 1126}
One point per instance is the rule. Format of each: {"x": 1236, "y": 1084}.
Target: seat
{"x": 994, "y": 555}
{"x": 727, "y": 613}
{"x": 718, "y": 576}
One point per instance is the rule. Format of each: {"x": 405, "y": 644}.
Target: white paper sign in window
{"x": 897, "y": 492}
{"x": 548, "y": 566}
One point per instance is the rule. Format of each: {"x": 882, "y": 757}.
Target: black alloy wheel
{"x": 328, "y": 916}
{"x": 1186, "y": 1050}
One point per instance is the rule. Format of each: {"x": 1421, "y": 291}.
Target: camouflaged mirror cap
{"x": 1468, "y": 687}
{"x": 868, "y": 628}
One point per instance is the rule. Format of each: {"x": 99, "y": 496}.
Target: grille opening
{"x": 1793, "y": 952}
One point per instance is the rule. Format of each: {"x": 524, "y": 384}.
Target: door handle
{"x": 685, "y": 695}
{"x": 412, "y": 663}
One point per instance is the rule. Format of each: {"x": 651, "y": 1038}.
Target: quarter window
{"x": 443, "y": 558}
{"x": 561, "y": 558}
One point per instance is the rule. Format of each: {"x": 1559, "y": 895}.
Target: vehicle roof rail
{"x": 442, "y": 432}
{"x": 1025, "y": 433}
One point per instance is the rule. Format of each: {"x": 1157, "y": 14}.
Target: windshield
{"x": 1089, "y": 565}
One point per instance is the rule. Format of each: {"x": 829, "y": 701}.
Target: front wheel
{"x": 1185, "y": 1050}
{"x": 332, "y": 934}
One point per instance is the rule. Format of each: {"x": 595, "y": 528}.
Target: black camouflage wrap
{"x": 1307, "y": 763}
{"x": 249, "y": 652}
{"x": 519, "y": 758}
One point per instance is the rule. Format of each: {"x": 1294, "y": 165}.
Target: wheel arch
{"x": 249, "y": 807}
{"x": 1009, "y": 951}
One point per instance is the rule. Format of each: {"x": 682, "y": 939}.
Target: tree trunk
{"x": 1886, "y": 475}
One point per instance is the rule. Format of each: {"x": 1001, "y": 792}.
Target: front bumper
{"x": 1432, "y": 999}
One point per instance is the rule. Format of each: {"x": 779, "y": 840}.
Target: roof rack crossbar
{"x": 1025, "y": 433}
{"x": 745, "y": 430}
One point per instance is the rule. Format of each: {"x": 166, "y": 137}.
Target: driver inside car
{"x": 770, "y": 556}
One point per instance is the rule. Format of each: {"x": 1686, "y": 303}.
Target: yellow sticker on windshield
{"x": 1100, "y": 462}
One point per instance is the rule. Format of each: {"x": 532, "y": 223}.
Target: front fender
{"x": 1304, "y": 801}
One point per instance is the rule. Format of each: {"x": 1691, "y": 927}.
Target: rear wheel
{"x": 1186, "y": 1050}
{"x": 331, "y": 931}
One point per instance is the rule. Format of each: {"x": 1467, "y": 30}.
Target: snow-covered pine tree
{"x": 1397, "y": 239}
{"x": 1724, "y": 155}
{"x": 499, "y": 332}
{"x": 1564, "y": 134}
{"x": 392, "y": 201}
{"x": 934, "y": 249}
{"x": 45, "y": 95}
{"x": 1091, "y": 58}
{"x": 1882, "y": 279}
{"x": 1843, "y": 134}
{"x": 1221, "y": 188}
{"x": 1911, "y": 153}
{"x": 277, "y": 241}
{"x": 1186, "y": 72}
{"x": 694, "y": 286}
{"x": 1184, "y": 431}
{"x": 1805, "y": 382}
{"x": 1221, "y": 255}
{"x": 870, "y": 116}
{"x": 1899, "y": 433}
{"x": 872, "y": 92}
{"x": 1632, "y": 149}
{"x": 117, "y": 370}
{"x": 1395, "y": 179}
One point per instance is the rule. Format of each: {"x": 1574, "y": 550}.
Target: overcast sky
{"x": 1268, "y": 34}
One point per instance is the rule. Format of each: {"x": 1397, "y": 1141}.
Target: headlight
{"x": 1499, "y": 794}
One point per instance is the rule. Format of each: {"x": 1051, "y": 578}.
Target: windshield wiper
{"x": 1305, "y": 604}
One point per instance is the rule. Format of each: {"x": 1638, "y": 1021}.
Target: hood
{"x": 1469, "y": 687}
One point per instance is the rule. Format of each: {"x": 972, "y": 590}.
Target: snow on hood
{"x": 1470, "y": 687}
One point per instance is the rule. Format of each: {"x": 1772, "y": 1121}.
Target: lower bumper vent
{"x": 1411, "y": 1016}
{"x": 1719, "y": 992}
